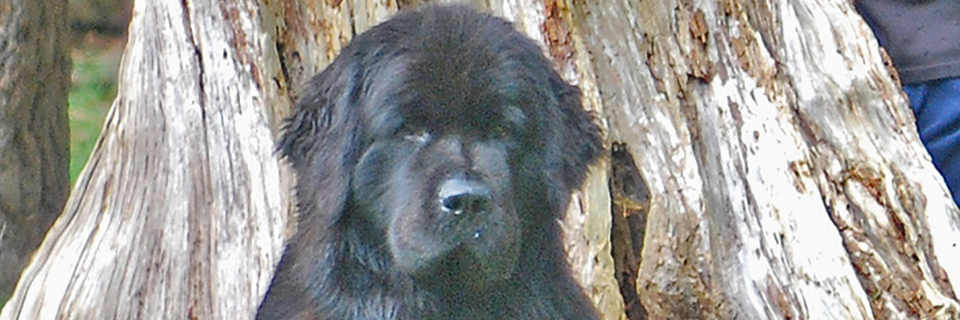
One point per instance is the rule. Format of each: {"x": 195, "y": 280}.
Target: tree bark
{"x": 786, "y": 175}
{"x": 764, "y": 165}
{"x": 34, "y": 144}
{"x": 182, "y": 207}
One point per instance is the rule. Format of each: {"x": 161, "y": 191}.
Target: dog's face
{"x": 443, "y": 196}
{"x": 448, "y": 135}
{"x": 442, "y": 140}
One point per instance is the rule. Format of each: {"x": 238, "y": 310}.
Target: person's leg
{"x": 936, "y": 105}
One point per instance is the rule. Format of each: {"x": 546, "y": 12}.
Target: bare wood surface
{"x": 787, "y": 178}
{"x": 182, "y": 204}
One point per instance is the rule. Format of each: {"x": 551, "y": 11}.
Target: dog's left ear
{"x": 580, "y": 135}
{"x": 321, "y": 141}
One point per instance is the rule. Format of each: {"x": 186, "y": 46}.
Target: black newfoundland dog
{"x": 434, "y": 157}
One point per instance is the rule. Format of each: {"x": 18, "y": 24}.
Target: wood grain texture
{"x": 183, "y": 203}
{"x": 786, "y": 174}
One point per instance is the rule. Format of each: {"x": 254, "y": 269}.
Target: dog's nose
{"x": 463, "y": 196}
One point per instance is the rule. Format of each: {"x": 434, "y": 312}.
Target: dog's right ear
{"x": 321, "y": 141}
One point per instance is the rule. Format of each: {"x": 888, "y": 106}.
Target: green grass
{"x": 93, "y": 90}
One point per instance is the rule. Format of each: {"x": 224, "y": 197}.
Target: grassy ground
{"x": 95, "y": 65}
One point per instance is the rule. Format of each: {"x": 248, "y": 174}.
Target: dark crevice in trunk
{"x": 631, "y": 202}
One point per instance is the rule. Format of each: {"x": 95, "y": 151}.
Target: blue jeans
{"x": 936, "y": 105}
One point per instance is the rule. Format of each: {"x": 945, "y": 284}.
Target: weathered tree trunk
{"x": 34, "y": 155}
{"x": 786, "y": 175}
{"x": 181, "y": 209}
{"x": 765, "y": 165}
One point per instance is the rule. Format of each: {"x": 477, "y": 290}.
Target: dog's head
{"x": 445, "y": 134}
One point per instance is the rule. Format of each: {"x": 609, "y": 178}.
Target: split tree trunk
{"x": 786, "y": 174}
{"x": 765, "y": 164}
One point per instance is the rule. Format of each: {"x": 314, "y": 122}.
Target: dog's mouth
{"x": 464, "y": 253}
{"x": 464, "y": 234}
{"x": 471, "y": 253}
{"x": 463, "y": 272}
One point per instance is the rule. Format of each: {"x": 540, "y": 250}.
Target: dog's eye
{"x": 418, "y": 136}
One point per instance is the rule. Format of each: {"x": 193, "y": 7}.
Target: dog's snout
{"x": 464, "y": 196}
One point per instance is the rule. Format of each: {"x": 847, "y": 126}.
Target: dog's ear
{"x": 321, "y": 140}
{"x": 580, "y": 135}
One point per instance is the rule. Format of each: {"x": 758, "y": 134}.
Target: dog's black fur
{"x": 434, "y": 157}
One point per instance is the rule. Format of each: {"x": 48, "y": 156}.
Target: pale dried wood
{"x": 181, "y": 210}
{"x": 788, "y": 180}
